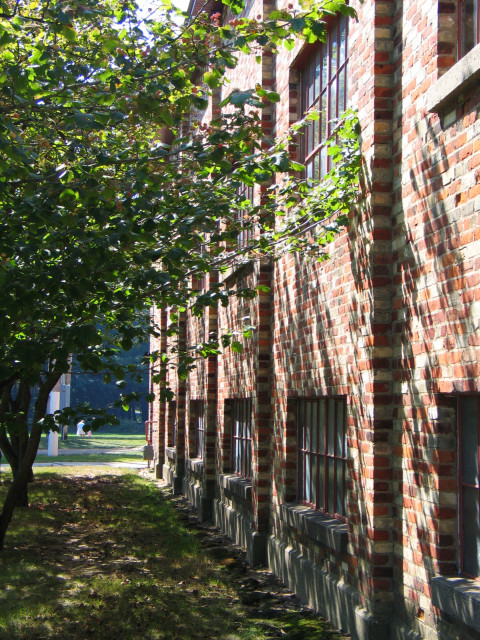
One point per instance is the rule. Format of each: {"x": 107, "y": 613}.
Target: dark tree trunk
{"x": 17, "y": 496}
{"x": 18, "y": 491}
{"x": 22, "y": 495}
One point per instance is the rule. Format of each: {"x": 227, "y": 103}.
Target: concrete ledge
{"x": 202, "y": 503}
{"x": 453, "y": 82}
{"x": 459, "y": 598}
{"x": 238, "y": 528}
{"x": 236, "y": 485}
{"x": 171, "y": 453}
{"x": 325, "y": 593}
{"x": 175, "y": 481}
{"x": 324, "y": 529}
{"x": 195, "y": 465}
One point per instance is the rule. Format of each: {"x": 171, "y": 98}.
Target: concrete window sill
{"x": 171, "y": 453}
{"x": 455, "y": 81}
{"x": 323, "y": 529}
{"x": 240, "y": 264}
{"x": 195, "y": 465}
{"x": 459, "y": 598}
{"x": 240, "y": 487}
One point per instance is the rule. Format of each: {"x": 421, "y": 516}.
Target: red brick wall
{"x": 435, "y": 298}
{"x": 390, "y": 321}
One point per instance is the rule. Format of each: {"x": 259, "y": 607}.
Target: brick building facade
{"x": 341, "y": 447}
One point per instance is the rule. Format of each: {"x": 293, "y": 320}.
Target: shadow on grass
{"x": 98, "y": 441}
{"x": 106, "y": 557}
{"x": 92, "y": 457}
{"x": 104, "y": 552}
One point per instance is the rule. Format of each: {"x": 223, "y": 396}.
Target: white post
{"x": 53, "y": 405}
{"x": 52, "y": 449}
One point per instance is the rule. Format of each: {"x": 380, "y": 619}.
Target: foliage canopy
{"x": 109, "y": 204}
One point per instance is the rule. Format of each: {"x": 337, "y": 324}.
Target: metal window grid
{"x": 322, "y": 454}
{"x": 197, "y": 413}
{"x": 242, "y": 437}
{"x": 323, "y": 85}
{"x": 468, "y": 25}
{"x": 469, "y": 484}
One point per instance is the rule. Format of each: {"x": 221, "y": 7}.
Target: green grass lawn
{"x": 136, "y": 456}
{"x": 98, "y": 441}
{"x": 104, "y": 556}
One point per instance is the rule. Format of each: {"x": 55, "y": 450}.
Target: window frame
{"x": 321, "y": 130}
{"x": 462, "y": 484}
{"x": 197, "y": 421}
{"x": 241, "y": 454}
{"x": 462, "y": 37}
{"x": 320, "y": 484}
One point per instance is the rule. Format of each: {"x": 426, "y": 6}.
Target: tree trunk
{"x": 18, "y": 491}
{"x": 22, "y": 496}
{"x": 17, "y": 496}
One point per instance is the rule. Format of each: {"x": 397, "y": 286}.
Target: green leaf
{"x": 236, "y": 346}
{"x": 68, "y": 33}
{"x": 236, "y": 6}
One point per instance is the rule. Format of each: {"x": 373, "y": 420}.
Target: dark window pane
{"x": 311, "y": 85}
{"x": 340, "y": 451}
{"x": 469, "y": 409}
{"x": 323, "y": 117}
{"x": 339, "y": 508}
{"x": 308, "y": 415}
{"x": 324, "y": 162}
{"x": 317, "y": 75}
{"x": 321, "y": 484}
{"x": 469, "y": 24}
{"x": 334, "y": 52}
{"x": 309, "y": 138}
{"x": 316, "y": 167}
{"x": 324, "y": 55}
{"x": 471, "y": 532}
{"x": 308, "y": 478}
{"x": 314, "y": 480}
{"x": 314, "y": 427}
{"x": 321, "y": 426}
{"x": 333, "y": 105}
{"x": 316, "y": 133}
{"x": 331, "y": 485}
{"x": 341, "y": 92}
{"x": 309, "y": 170}
{"x": 343, "y": 41}
{"x": 331, "y": 427}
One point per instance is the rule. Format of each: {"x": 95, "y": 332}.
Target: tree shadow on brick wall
{"x": 323, "y": 319}
{"x": 435, "y": 342}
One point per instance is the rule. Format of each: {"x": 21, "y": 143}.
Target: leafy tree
{"x": 107, "y": 204}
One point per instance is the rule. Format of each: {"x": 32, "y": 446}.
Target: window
{"x": 324, "y": 89}
{"x": 322, "y": 454}
{"x": 469, "y": 23}
{"x": 172, "y": 424}
{"x": 469, "y": 512}
{"x": 242, "y": 437}
{"x": 197, "y": 419}
{"x": 246, "y": 234}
